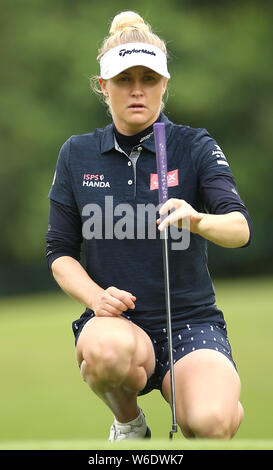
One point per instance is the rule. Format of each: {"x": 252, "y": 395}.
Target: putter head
{"x": 173, "y": 430}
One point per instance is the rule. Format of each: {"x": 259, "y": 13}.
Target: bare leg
{"x": 207, "y": 389}
{"x": 116, "y": 359}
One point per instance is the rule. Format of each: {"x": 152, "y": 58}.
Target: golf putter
{"x": 162, "y": 172}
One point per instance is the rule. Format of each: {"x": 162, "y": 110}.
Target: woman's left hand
{"x": 183, "y": 212}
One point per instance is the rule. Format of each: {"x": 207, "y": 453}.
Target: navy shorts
{"x": 189, "y": 338}
{"x": 192, "y": 336}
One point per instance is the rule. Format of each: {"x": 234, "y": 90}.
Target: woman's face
{"x": 135, "y": 97}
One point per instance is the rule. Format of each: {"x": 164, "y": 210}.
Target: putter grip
{"x": 161, "y": 161}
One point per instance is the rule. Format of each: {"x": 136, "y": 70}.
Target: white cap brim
{"x": 125, "y": 56}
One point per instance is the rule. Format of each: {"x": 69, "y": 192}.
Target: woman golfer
{"x": 105, "y": 192}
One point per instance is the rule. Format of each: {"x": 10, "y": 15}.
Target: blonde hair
{"x": 127, "y": 26}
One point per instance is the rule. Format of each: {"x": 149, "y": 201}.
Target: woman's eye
{"x": 150, "y": 78}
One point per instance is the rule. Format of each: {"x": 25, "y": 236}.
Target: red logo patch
{"x": 172, "y": 179}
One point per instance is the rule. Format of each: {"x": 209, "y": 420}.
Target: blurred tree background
{"x": 221, "y": 67}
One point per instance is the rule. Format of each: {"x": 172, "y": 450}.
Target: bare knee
{"x": 210, "y": 423}
{"x": 108, "y": 359}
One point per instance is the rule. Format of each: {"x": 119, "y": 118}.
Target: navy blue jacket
{"x": 93, "y": 169}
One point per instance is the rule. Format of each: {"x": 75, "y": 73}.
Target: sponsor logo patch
{"x": 95, "y": 181}
{"x": 172, "y": 179}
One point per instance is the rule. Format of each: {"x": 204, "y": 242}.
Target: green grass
{"x": 155, "y": 444}
{"x": 44, "y": 402}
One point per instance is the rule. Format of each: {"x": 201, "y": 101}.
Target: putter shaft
{"x": 169, "y": 328}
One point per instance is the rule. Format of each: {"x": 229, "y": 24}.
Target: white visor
{"x": 124, "y": 56}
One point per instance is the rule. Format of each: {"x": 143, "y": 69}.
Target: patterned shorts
{"x": 185, "y": 340}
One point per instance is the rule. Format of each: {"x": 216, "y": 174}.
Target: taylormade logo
{"x": 126, "y": 222}
{"x": 123, "y": 52}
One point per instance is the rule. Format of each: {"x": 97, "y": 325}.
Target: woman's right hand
{"x": 112, "y": 302}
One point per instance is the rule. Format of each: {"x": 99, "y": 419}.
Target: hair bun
{"x": 128, "y": 19}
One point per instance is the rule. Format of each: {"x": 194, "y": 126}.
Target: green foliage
{"x": 221, "y": 67}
